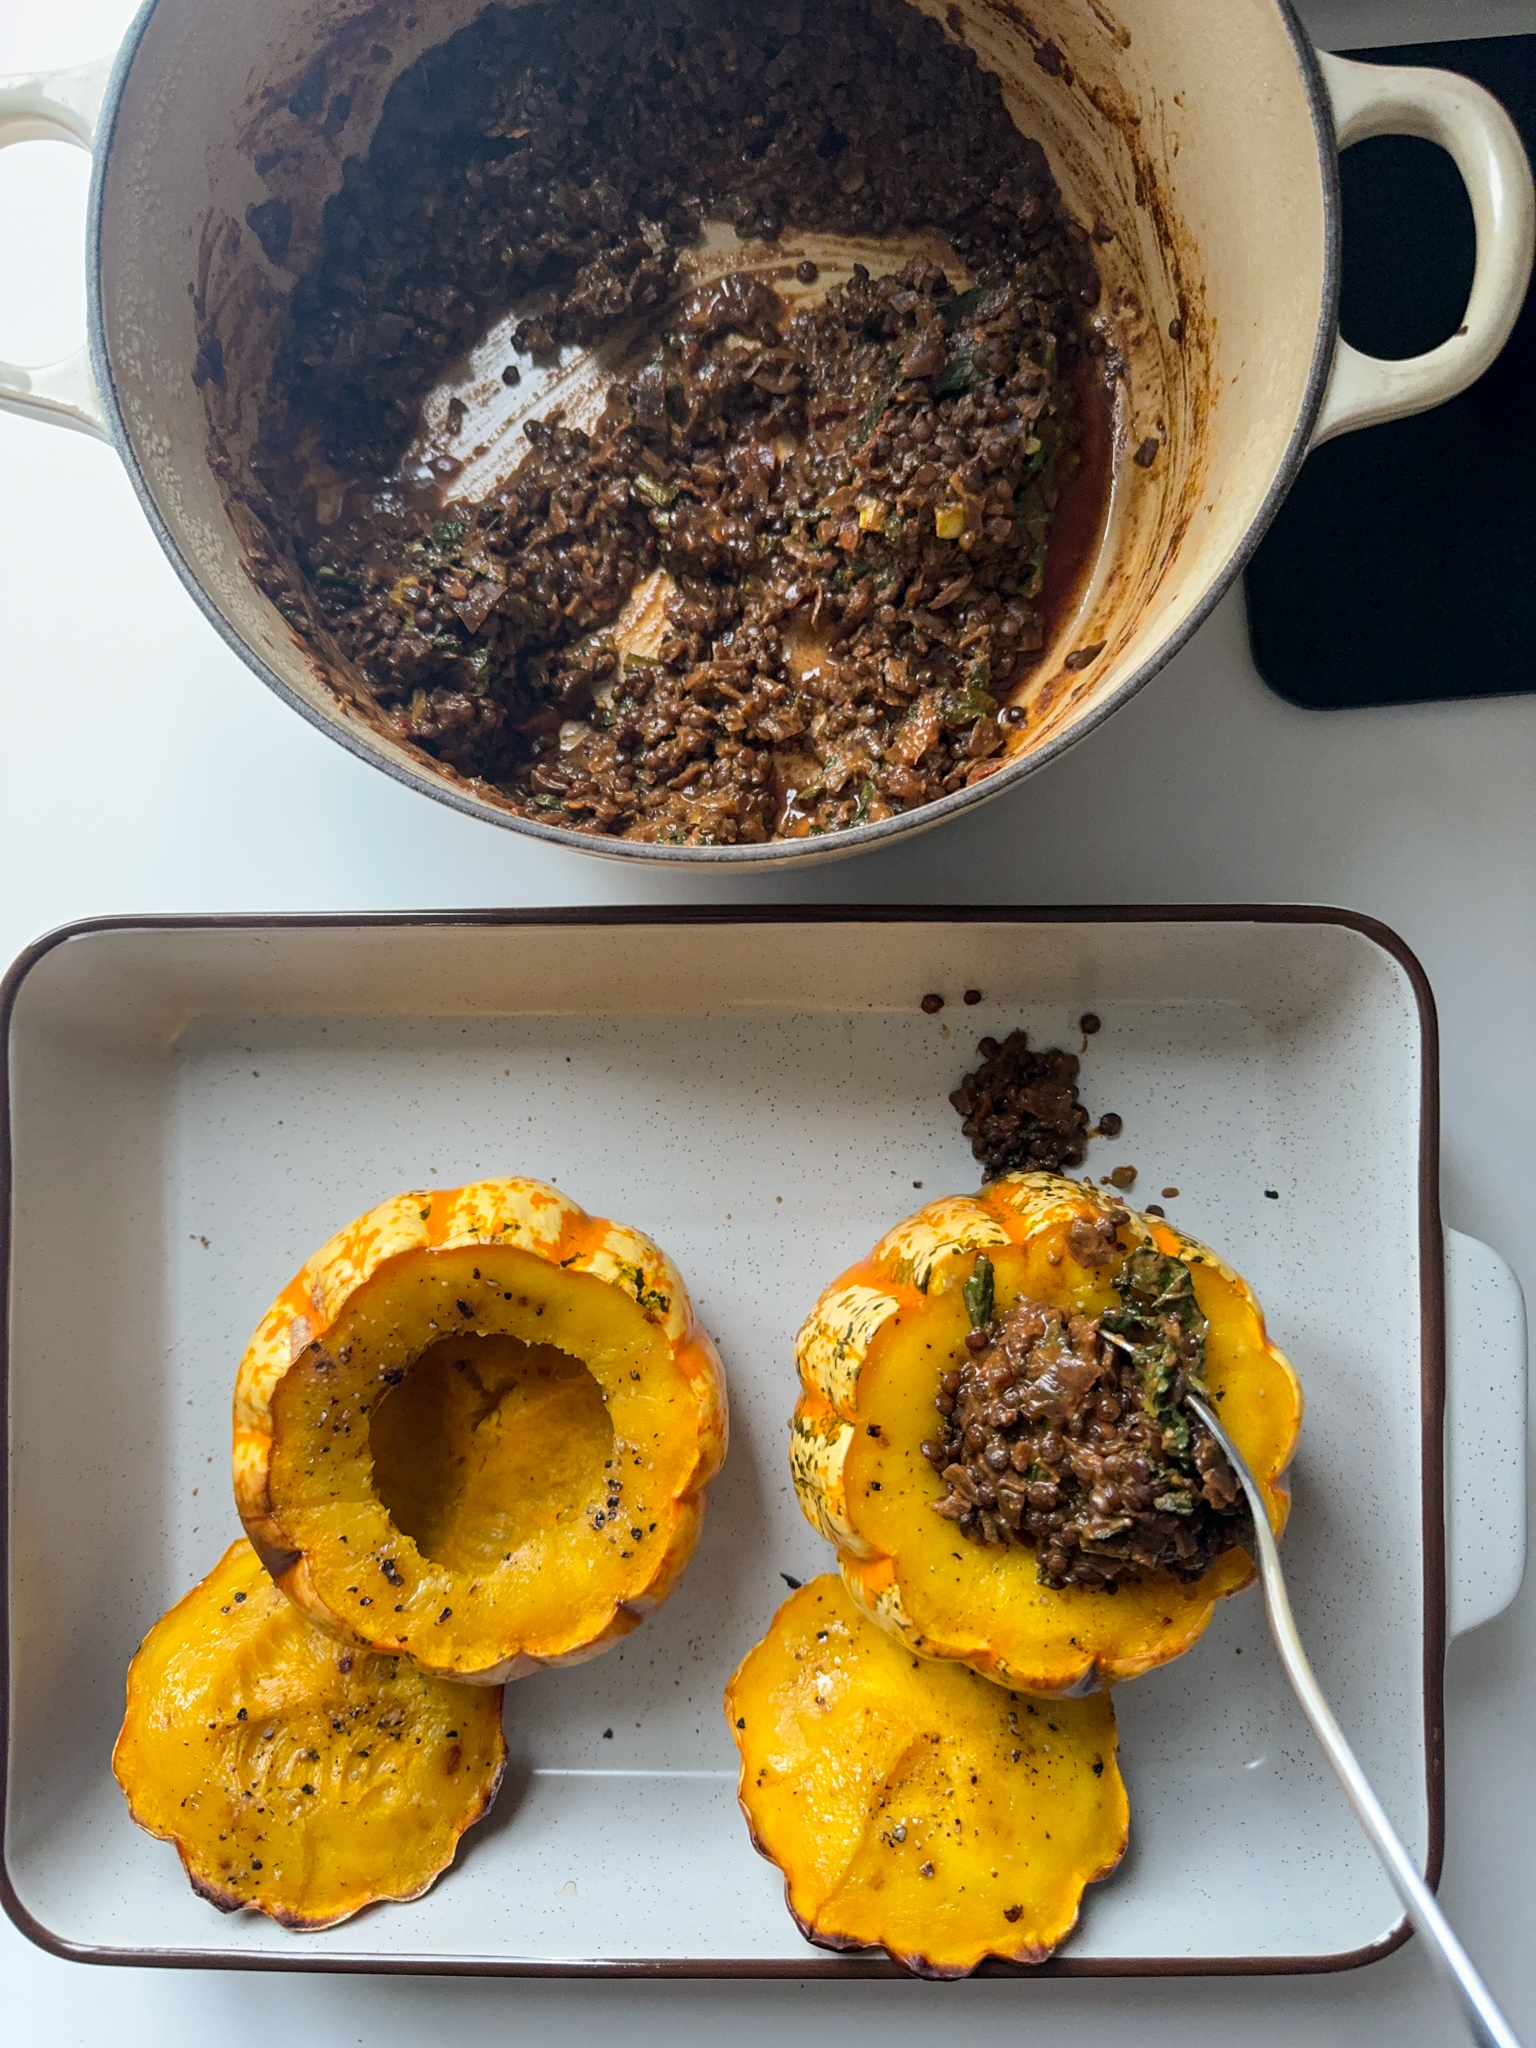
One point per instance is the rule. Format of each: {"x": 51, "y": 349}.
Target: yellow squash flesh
{"x": 911, "y": 1805}
{"x": 477, "y": 1430}
{"x": 297, "y": 1777}
{"x": 871, "y": 1355}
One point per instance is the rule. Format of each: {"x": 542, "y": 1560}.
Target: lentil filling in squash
{"x": 887, "y": 1338}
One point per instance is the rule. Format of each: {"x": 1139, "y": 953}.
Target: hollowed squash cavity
{"x": 477, "y": 1430}
{"x": 488, "y": 1446}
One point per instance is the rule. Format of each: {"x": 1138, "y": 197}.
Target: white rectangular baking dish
{"x": 195, "y": 1105}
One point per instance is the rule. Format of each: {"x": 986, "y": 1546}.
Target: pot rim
{"x": 783, "y": 852}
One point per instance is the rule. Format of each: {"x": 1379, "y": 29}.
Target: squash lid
{"x": 297, "y": 1777}
{"x": 912, "y": 1805}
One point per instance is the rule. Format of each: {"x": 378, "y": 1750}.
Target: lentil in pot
{"x": 834, "y": 523}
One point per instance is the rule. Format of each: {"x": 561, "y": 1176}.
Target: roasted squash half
{"x": 295, "y": 1776}
{"x": 911, "y": 1805}
{"x": 871, "y": 1355}
{"x": 476, "y": 1430}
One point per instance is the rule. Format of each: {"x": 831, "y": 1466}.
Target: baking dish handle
{"x": 54, "y": 106}
{"x": 1455, "y": 112}
{"x": 1485, "y": 1388}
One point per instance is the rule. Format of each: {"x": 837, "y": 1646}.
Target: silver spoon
{"x": 1486, "y": 2024}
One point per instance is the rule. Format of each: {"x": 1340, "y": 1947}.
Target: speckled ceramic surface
{"x": 195, "y": 1109}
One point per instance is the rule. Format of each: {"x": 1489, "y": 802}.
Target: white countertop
{"x": 143, "y": 768}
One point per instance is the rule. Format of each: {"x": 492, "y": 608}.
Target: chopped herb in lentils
{"x": 1069, "y": 1433}
{"x": 849, "y": 506}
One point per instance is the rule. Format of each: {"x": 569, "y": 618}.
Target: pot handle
{"x": 54, "y": 106}
{"x": 1392, "y": 99}
{"x": 1485, "y": 1407}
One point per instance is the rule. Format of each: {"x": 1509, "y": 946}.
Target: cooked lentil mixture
{"x": 1069, "y": 1434}
{"x": 1020, "y": 1108}
{"x": 789, "y": 579}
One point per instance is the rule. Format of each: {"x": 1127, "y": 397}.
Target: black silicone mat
{"x": 1402, "y": 566}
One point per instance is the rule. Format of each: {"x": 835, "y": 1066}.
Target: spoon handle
{"x": 1486, "y": 2024}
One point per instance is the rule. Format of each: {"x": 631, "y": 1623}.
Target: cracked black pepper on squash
{"x": 844, "y": 512}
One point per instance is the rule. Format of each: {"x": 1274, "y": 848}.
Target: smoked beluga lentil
{"x": 847, "y": 508}
{"x": 1020, "y": 1108}
{"x": 1069, "y": 1434}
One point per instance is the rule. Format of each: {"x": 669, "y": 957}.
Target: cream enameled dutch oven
{"x": 1205, "y": 133}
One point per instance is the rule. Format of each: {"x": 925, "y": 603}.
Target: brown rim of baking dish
{"x": 1432, "y": 1427}
{"x": 853, "y": 839}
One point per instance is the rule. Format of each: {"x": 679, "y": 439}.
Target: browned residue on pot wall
{"x": 296, "y": 131}
{"x": 237, "y": 308}
{"x": 299, "y": 130}
{"x": 1167, "y": 377}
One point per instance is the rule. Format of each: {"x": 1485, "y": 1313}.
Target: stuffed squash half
{"x": 991, "y": 1432}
